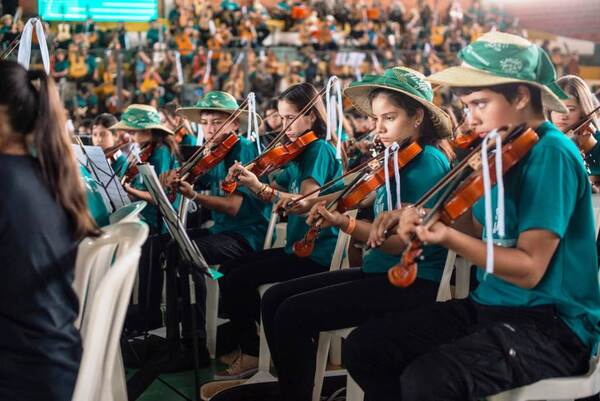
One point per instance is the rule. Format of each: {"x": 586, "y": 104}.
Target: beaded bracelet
{"x": 351, "y": 226}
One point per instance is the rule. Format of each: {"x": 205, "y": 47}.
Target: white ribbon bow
{"x": 386, "y": 168}
{"x": 24, "y": 55}
{"x": 334, "y": 106}
{"x": 252, "y": 133}
{"x": 487, "y": 188}
{"x": 179, "y": 69}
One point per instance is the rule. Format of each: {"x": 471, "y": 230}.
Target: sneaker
{"x": 210, "y": 389}
{"x": 244, "y": 366}
{"x": 229, "y": 359}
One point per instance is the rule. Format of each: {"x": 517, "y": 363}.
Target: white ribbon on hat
{"x": 334, "y": 105}
{"x": 24, "y": 55}
{"x": 208, "y": 66}
{"x": 252, "y": 133}
{"x": 394, "y": 148}
{"x": 487, "y": 189}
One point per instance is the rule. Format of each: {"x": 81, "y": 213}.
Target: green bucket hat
{"x": 138, "y": 117}
{"x": 215, "y": 101}
{"x": 403, "y": 80}
{"x": 500, "y": 58}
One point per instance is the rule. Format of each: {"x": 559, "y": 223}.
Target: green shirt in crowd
{"x": 549, "y": 190}
{"x": 252, "y": 220}
{"x": 422, "y": 173}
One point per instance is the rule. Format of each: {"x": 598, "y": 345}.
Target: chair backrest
{"x": 106, "y": 313}
{"x": 341, "y": 246}
{"x": 127, "y": 213}
{"x": 270, "y": 230}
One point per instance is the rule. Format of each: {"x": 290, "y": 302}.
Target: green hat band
{"x": 511, "y": 61}
{"x": 140, "y": 119}
{"x": 398, "y": 78}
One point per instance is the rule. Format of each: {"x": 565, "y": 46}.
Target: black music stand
{"x": 190, "y": 263}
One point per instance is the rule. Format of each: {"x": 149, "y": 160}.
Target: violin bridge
{"x": 475, "y": 162}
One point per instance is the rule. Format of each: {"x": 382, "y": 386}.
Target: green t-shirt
{"x": 592, "y": 158}
{"x": 189, "y": 140}
{"x": 422, "y": 173}
{"x": 549, "y": 190}
{"x": 60, "y": 66}
{"x": 119, "y": 165}
{"x": 162, "y": 160}
{"x": 252, "y": 220}
{"x": 95, "y": 202}
{"x": 318, "y": 162}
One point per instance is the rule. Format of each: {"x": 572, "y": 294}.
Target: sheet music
{"x": 189, "y": 251}
{"x": 113, "y": 194}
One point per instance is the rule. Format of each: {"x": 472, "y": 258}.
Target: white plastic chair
{"x": 331, "y": 340}
{"x": 212, "y": 287}
{"x": 101, "y": 374}
{"x": 127, "y": 213}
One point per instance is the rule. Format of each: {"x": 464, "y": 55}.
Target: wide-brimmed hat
{"x": 501, "y": 58}
{"x": 216, "y": 101}
{"x": 407, "y": 82}
{"x": 138, "y": 117}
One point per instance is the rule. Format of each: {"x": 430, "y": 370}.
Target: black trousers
{"x": 240, "y": 298}
{"x": 296, "y": 311}
{"x": 216, "y": 249}
{"x": 460, "y": 350}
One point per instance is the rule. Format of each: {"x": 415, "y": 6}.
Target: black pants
{"x": 296, "y": 311}
{"x": 240, "y": 298}
{"x": 216, "y": 249}
{"x": 460, "y": 350}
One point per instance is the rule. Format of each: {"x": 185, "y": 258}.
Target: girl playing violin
{"x": 581, "y": 102}
{"x": 43, "y": 216}
{"x": 240, "y": 219}
{"x": 157, "y": 148}
{"x": 537, "y": 314}
{"x": 315, "y": 166}
{"x": 400, "y": 102}
{"x": 109, "y": 142}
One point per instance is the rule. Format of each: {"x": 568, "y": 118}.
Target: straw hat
{"x": 500, "y": 58}
{"x": 403, "y": 80}
{"x": 138, "y": 117}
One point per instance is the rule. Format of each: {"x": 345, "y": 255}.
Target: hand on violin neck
{"x": 319, "y": 215}
{"x": 380, "y": 229}
{"x": 168, "y": 178}
{"x": 186, "y": 189}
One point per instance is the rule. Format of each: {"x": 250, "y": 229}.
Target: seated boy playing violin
{"x": 536, "y": 315}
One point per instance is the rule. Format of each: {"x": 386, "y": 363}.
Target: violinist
{"x": 109, "y": 142}
{"x": 240, "y": 220}
{"x": 536, "y": 314}
{"x": 581, "y": 102}
{"x": 316, "y": 165}
{"x": 157, "y": 147}
{"x": 178, "y": 124}
{"x": 272, "y": 123}
{"x": 43, "y": 216}
{"x": 400, "y": 101}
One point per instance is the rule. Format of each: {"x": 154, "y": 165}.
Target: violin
{"x": 180, "y": 132}
{"x": 132, "y": 169}
{"x": 274, "y": 158}
{"x": 376, "y": 179}
{"x": 583, "y": 126}
{"x": 276, "y": 155}
{"x": 354, "y": 193}
{"x": 112, "y": 151}
{"x": 465, "y": 140}
{"x": 462, "y": 193}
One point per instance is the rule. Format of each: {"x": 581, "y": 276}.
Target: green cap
{"x": 500, "y": 58}
{"x": 138, "y": 117}
{"x": 215, "y": 101}
{"x": 403, "y": 80}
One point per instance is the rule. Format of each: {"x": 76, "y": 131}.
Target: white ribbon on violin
{"x": 487, "y": 190}
{"x": 253, "y": 128}
{"x": 24, "y": 55}
{"x": 394, "y": 148}
{"x": 334, "y": 104}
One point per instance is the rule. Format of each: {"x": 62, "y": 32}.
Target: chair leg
{"x": 335, "y": 351}
{"x": 212, "y": 311}
{"x": 264, "y": 354}
{"x": 353, "y": 390}
{"x": 463, "y": 276}
{"x": 321, "y": 366}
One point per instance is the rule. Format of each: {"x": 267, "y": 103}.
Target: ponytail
{"x": 35, "y": 109}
